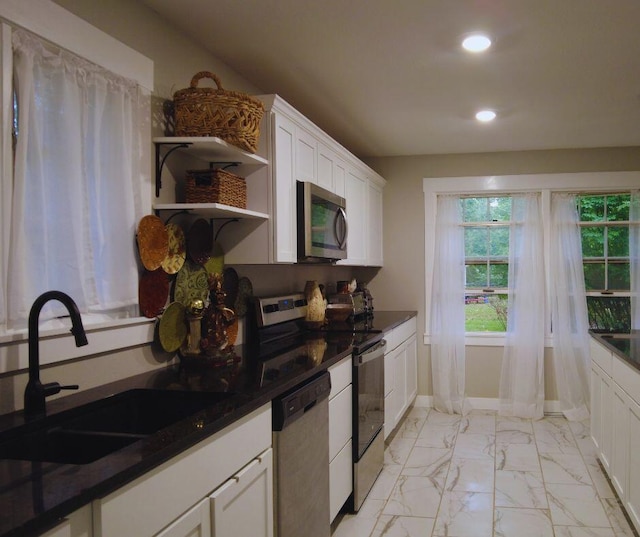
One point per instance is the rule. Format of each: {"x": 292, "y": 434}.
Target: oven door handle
{"x": 372, "y": 354}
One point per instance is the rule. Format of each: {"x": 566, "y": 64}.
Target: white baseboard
{"x": 487, "y": 403}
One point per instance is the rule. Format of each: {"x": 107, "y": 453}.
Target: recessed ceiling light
{"x": 476, "y": 43}
{"x": 485, "y": 115}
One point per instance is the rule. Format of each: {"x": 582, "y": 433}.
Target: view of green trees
{"x": 605, "y": 249}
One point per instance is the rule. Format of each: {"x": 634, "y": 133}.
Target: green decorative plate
{"x": 191, "y": 284}
{"x": 173, "y": 327}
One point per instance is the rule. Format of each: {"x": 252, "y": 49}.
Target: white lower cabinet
{"x": 243, "y": 506}
{"x": 340, "y": 434}
{"x": 175, "y": 498}
{"x": 400, "y": 373}
{"x": 194, "y": 523}
{"x": 615, "y": 424}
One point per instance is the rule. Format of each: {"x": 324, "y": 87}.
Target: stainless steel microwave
{"x": 322, "y": 224}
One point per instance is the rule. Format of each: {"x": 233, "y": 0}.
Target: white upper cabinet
{"x": 297, "y": 150}
{"x": 306, "y": 152}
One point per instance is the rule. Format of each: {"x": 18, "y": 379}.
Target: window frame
{"x": 492, "y": 185}
{"x": 61, "y": 27}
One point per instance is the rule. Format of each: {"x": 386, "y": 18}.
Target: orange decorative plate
{"x": 153, "y": 242}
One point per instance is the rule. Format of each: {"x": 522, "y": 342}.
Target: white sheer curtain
{"x": 77, "y": 182}
{"x": 447, "y": 310}
{"x": 634, "y": 254}
{"x": 571, "y": 355}
{"x": 522, "y": 377}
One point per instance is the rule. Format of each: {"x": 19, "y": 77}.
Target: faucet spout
{"x": 36, "y": 392}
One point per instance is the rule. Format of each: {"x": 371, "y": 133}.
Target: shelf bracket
{"x": 160, "y": 160}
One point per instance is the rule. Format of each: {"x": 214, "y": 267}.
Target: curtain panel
{"x": 521, "y": 388}
{"x": 447, "y": 311}
{"x": 76, "y": 185}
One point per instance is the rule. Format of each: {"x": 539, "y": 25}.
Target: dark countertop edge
{"x": 55, "y": 515}
{"x": 606, "y": 337}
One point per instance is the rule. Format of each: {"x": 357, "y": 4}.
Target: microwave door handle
{"x": 341, "y": 214}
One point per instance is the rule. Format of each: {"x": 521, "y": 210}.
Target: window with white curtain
{"x": 74, "y": 179}
{"x": 603, "y": 205}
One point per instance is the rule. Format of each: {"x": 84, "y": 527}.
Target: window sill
{"x": 491, "y": 339}
{"x": 58, "y": 344}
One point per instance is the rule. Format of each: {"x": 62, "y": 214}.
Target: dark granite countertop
{"x": 35, "y": 496}
{"x": 625, "y": 346}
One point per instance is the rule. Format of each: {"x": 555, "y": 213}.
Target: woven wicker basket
{"x": 215, "y": 186}
{"x": 230, "y": 115}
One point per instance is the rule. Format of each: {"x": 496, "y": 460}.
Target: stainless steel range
{"x": 278, "y": 317}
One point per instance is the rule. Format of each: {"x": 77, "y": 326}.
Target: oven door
{"x": 368, "y": 396}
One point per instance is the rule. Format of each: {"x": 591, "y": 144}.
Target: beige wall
{"x": 401, "y": 283}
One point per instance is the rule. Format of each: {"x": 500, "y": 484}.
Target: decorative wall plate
{"x": 172, "y": 329}
{"x": 177, "y": 250}
{"x": 153, "y": 291}
{"x": 153, "y": 242}
{"x": 199, "y": 241}
{"x": 191, "y": 284}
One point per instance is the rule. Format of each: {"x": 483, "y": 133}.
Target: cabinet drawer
{"x": 138, "y": 509}
{"x": 340, "y": 376}
{"x": 628, "y": 378}
{"x": 601, "y": 356}
{"x": 340, "y": 421}
{"x": 400, "y": 333}
{"x": 340, "y": 480}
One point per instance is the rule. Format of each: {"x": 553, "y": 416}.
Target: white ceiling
{"x": 388, "y": 77}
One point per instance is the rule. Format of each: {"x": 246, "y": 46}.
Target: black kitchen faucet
{"x": 36, "y": 392}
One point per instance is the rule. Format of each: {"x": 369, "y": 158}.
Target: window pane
{"x": 499, "y": 275}
{"x": 619, "y": 277}
{"x": 486, "y": 313}
{"x": 592, "y": 241}
{"x": 618, "y": 241}
{"x": 594, "y": 276}
{"x": 609, "y": 313}
{"x": 476, "y": 241}
{"x": 499, "y": 209}
{"x": 618, "y": 207}
{"x": 499, "y": 242}
{"x": 475, "y": 209}
{"x": 591, "y": 208}
{"x": 476, "y": 276}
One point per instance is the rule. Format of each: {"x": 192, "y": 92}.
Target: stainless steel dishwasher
{"x": 301, "y": 451}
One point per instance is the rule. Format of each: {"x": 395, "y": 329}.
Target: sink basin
{"x": 89, "y": 432}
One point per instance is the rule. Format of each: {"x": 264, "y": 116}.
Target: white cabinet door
{"x": 340, "y": 480}
{"x": 620, "y": 434}
{"x": 243, "y": 506}
{"x": 339, "y": 174}
{"x": 326, "y": 168}
{"x": 306, "y": 150}
{"x": 356, "y": 197}
{"x": 284, "y": 201}
{"x": 632, "y": 502}
{"x": 194, "y": 523}
{"x": 596, "y": 408}
{"x": 374, "y": 224}
{"x": 412, "y": 369}
{"x": 606, "y": 411}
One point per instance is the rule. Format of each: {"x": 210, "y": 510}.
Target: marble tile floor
{"x": 488, "y": 476}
